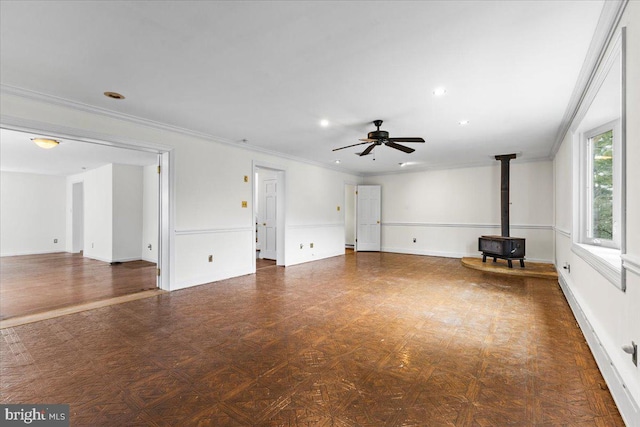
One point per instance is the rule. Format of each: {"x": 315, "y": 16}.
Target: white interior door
{"x": 269, "y": 200}
{"x": 368, "y": 218}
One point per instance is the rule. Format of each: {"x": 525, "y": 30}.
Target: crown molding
{"x": 7, "y": 121}
{"x": 490, "y": 161}
{"x": 610, "y": 16}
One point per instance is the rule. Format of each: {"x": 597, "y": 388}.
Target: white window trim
{"x": 610, "y": 263}
{"x": 585, "y": 186}
{"x": 607, "y": 261}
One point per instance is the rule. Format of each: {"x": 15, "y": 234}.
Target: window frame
{"x": 586, "y": 185}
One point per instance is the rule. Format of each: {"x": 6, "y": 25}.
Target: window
{"x": 601, "y": 189}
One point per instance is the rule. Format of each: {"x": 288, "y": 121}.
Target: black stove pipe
{"x": 504, "y": 192}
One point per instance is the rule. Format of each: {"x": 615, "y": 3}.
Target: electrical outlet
{"x": 55, "y": 240}
{"x": 311, "y": 245}
{"x": 246, "y": 178}
{"x": 244, "y": 204}
{"x": 338, "y": 208}
{"x": 210, "y": 258}
{"x": 301, "y": 246}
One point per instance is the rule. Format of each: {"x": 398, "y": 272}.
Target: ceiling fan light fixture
{"x": 45, "y": 143}
{"x": 114, "y": 95}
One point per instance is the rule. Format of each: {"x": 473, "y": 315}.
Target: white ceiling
{"x": 268, "y": 71}
{"x": 19, "y": 154}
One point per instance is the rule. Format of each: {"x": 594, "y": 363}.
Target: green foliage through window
{"x": 602, "y": 180}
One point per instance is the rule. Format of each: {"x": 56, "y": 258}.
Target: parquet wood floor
{"x": 32, "y": 284}
{"x": 366, "y": 339}
{"x": 262, "y": 263}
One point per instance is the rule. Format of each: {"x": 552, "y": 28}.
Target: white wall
{"x": 77, "y": 217}
{"x": 98, "y": 213}
{"x": 447, "y": 210}
{"x": 150, "y": 213}
{"x": 609, "y": 317}
{"x": 314, "y": 216}
{"x": 113, "y": 212}
{"x": 208, "y": 191}
{"x": 32, "y": 213}
{"x": 127, "y": 212}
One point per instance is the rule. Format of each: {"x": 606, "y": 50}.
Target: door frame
{"x": 281, "y": 174}
{"x": 166, "y": 196}
{"x": 379, "y": 224}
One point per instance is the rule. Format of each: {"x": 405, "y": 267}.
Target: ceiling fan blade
{"x": 406, "y": 139}
{"x": 348, "y": 146}
{"x": 399, "y": 147}
{"x": 368, "y": 150}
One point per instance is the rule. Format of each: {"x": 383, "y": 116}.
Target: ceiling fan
{"x": 379, "y": 137}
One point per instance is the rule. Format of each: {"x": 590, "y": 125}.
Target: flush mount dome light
{"x": 45, "y": 142}
{"x": 439, "y": 91}
{"x": 324, "y": 123}
{"x": 113, "y": 95}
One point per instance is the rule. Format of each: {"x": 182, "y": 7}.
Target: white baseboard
{"x": 31, "y": 253}
{"x": 627, "y": 406}
{"x": 127, "y": 259}
{"x": 148, "y": 259}
{"x": 208, "y": 279}
{"x": 111, "y": 261}
{"x": 449, "y": 254}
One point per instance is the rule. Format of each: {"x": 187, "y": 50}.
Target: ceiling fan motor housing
{"x": 378, "y": 134}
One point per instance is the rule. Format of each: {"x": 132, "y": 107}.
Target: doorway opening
{"x": 268, "y": 215}
{"x": 368, "y": 210}
{"x": 82, "y": 275}
{"x": 350, "y": 217}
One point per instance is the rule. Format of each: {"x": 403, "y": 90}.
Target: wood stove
{"x": 504, "y": 246}
{"x": 509, "y": 248}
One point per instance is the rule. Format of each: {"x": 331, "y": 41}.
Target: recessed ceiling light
{"x": 439, "y": 91}
{"x": 45, "y": 142}
{"x": 463, "y": 122}
{"x": 337, "y": 162}
{"x": 113, "y": 95}
{"x": 324, "y": 123}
